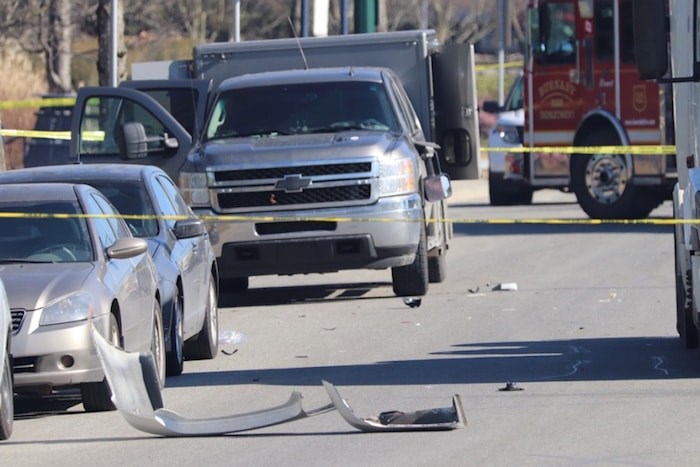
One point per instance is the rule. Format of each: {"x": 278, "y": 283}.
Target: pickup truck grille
{"x": 281, "y": 172}
{"x": 271, "y": 198}
{"x": 288, "y": 188}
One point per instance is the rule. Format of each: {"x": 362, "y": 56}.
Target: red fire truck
{"x": 582, "y": 88}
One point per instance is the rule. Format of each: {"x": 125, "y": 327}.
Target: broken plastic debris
{"x": 413, "y": 302}
{"x": 511, "y": 386}
{"x": 228, "y": 337}
{"x": 443, "y": 418}
{"x": 506, "y": 286}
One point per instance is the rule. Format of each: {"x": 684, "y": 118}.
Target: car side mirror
{"x": 437, "y": 187}
{"x": 188, "y": 228}
{"x": 128, "y": 247}
{"x": 133, "y": 141}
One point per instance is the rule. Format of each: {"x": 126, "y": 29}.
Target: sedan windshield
{"x": 301, "y": 108}
{"x": 41, "y": 233}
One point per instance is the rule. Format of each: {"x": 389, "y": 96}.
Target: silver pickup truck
{"x": 329, "y": 163}
{"x": 331, "y": 170}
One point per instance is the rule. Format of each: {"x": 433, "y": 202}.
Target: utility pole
{"x": 365, "y": 16}
{"x": 114, "y": 65}
{"x": 502, "y": 24}
{"x": 344, "y": 16}
{"x": 236, "y": 36}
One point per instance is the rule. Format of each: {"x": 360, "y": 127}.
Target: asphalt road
{"x": 588, "y": 336}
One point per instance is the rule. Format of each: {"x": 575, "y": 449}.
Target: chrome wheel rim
{"x": 606, "y": 177}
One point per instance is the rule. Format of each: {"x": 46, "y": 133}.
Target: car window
{"x": 174, "y": 196}
{"x": 133, "y": 201}
{"x": 49, "y": 238}
{"x": 116, "y": 222}
{"x": 167, "y": 208}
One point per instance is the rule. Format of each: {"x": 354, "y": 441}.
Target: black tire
{"x": 508, "y": 192}
{"x": 437, "y": 268}
{"x": 687, "y": 329}
{"x": 7, "y": 407}
{"x": 158, "y": 343}
{"x": 602, "y": 186}
{"x": 412, "y": 280}
{"x": 97, "y": 397}
{"x": 175, "y": 357}
{"x": 206, "y": 344}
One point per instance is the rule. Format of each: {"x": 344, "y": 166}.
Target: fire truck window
{"x": 605, "y": 32}
{"x": 557, "y": 35}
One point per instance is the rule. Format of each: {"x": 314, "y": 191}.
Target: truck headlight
{"x": 193, "y": 186}
{"x": 73, "y": 307}
{"x": 397, "y": 177}
{"x": 508, "y": 134}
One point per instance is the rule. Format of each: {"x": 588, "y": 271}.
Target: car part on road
{"x": 443, "y": 418}
{"x": 136, "y": 392}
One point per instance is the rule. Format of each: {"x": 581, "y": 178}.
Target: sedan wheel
{"x": 7, "y": 413}
{"x": 206, "y": 344}
{"x": 97, "y": 397}
{"x": 158, "y": 344}
{"x": 175, "y": 357}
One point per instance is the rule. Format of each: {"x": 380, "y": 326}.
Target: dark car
{"x": 154, "y": 209}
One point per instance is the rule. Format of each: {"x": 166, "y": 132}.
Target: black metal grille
{"x": 17, "y": 317}
{"x": 281, "y": 172}
{"x": 24, "y": 364}
{"x": 250, "y": 199}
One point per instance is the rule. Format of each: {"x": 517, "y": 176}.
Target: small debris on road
{"x": 506, "y": 286}
{"x": 511, "y": 386}
{"x": 413, "y": 302}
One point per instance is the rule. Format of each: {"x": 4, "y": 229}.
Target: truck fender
{"x": 601, "y": 118}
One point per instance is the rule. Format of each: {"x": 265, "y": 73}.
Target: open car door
{"x": 127, "y": 125}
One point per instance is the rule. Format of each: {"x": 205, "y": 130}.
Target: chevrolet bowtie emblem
{"x": 293, "y": 183}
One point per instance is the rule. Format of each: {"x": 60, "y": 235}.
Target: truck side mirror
{"x": 456, "y": 145}
{"x": 437, "y": 187}
{"x": 650, "y": 38}
{"x": 133, "y": 143}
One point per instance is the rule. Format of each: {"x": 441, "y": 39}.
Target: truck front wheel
{"x": 412, "y": 280}
{"x": 602, "y": 184}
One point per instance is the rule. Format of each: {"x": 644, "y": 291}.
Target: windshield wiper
{"x": 262, "y": 133}
{"x": 25, "y": 261}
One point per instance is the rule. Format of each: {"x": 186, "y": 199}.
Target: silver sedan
{"x": 66, "y": 256}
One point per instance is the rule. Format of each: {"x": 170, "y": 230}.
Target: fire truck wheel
{"x": 601, "y": 183}
{"x": 508, "y": 192}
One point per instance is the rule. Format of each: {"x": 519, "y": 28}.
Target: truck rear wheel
{"x": 603, "y": 188}
{"x": 412, "y": 280}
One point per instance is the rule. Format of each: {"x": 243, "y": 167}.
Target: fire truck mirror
{"x": 456, "y": 147}
{"x": 650, "y": 38}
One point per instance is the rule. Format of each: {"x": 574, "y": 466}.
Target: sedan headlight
{"x": 193, "y": 186}
{"x": 73, "y": 307}
{"x": 397, "y": 177}
{"x": 509, "y": 134}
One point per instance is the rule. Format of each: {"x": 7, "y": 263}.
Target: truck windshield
{"x": 301, "y": 108}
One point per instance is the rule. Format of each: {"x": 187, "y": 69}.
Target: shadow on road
{"x": 29, "y": 407}
{"x": 269, "y": 296}
{"x": 607, "y": 359}
{"x": 489, "y": 227}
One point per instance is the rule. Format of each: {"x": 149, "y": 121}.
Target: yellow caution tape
{"x": 494, "y": 66}
{"x": 651, "y": 150}
{"x": 62, "y": 135}
{"x": 30, "y": 103}
{"x": 240, "y": 218}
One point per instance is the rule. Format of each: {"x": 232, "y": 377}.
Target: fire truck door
{"x": 555, "y": 90}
